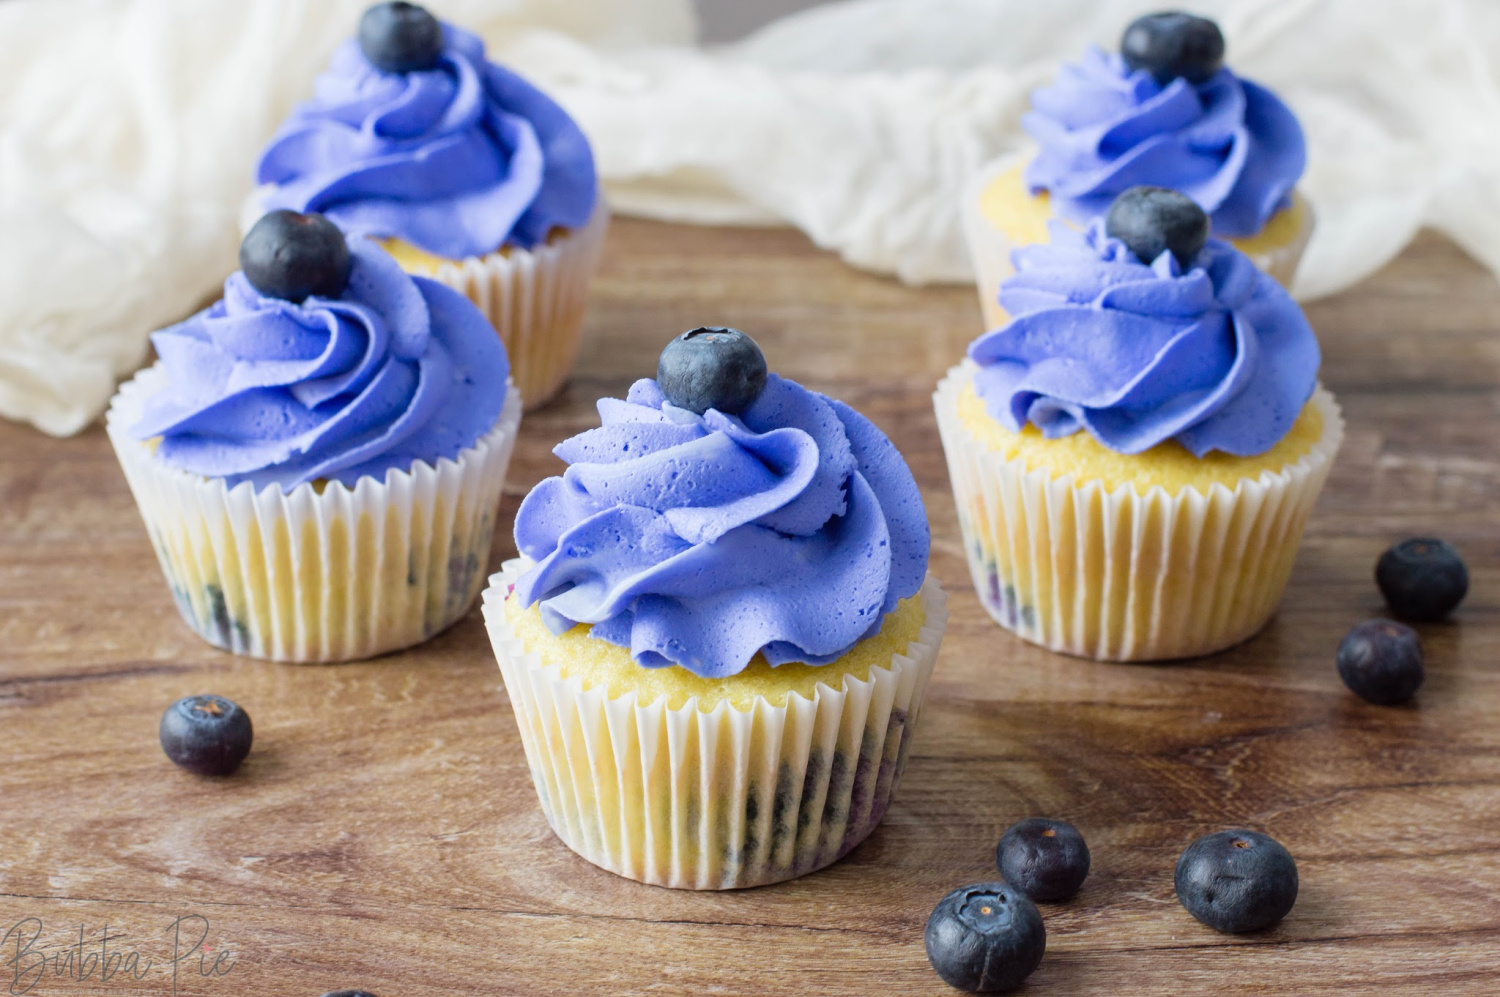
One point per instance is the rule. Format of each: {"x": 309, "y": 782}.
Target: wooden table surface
{"x": 384, "y": 833}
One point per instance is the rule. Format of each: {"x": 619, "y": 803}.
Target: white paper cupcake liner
{"x": 990, "y": 248}
{"x": 534, "y": 298}
{"x": 325, "y": 572}
{"x": 1118, "y": 575}
{"x": 721, "y": 798}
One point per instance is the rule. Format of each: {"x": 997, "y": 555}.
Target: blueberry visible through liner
{"x": 985, "y": 938}
{"x": 208, "y": 734}
{"x": 292, "y": 256}
{"x": 1237, "y": 881}
{"x": 711, "y": 367}
{"x": 1152, "y": 220}
{"x": 1171, "y": 43}
{"x": 1381, "y": 661}
{"x": 1422, "y": 579}
{"x": 400, "y": 37}
{"x": 1044, "y": 859}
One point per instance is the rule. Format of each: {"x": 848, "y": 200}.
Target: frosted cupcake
{"x": 1164, "y": 111}
{"x": 318, "y": 456}
{"x": 719, "y": 635}
{"x": 1135, "y": 454}
{"x": 465, "y": 172}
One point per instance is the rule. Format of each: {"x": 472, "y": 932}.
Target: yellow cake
{"x": 668, "y": 778}
{"x": 610, "y": 669}
{"x": 1167, "y": 465}
{"x": 325, "y": 572}
{"x": 1122, "y": 557}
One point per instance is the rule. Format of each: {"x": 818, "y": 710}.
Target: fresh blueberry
{"x": 985, "y": 938}
{"x": 1044, "y": 859}
{"x": 1381, "y": 660}
{"x": 348, "y": 993}
{"x": 209, "y": 735}
{"x": 290, "y": 255}
{"x": 400, "y": 37}
{"x": 711, "y": 368}
{"x": 1237, "y": 881}
{"x": 1422, "y": 579}
{"x": 1152, "y": 220}
{"x": 1170, "y": 44}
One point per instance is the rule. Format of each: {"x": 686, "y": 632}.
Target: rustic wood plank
{"x": 384, "y": 832}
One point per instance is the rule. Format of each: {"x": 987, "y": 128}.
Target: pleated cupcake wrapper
{"x": 1121, "y": 576}
{"x": 720, "y": 798}
{"x": 535, "y": 299}
{"x": 322, "y": 573}
{"x": 990, "y": 248}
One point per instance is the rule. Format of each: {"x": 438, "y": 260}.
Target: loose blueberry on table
{"x": 1237, "y": 881}
{"x": 1171, "y": 43}
{"x": 400, "y": 37}
{"x": 294, "y": 256}
{"x": 1044, "y": 859}
{"x": 1422, "y": 579}
{"x": 348, "y": 993}
{"x": 1153, "y": 220}
{"x": 985, "y": 938}
{"x": 711, "y": 368}
{"x": 208, "y": 734}
{"x": 1381, "y": 662}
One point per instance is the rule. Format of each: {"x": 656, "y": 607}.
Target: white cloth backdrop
{"x": 128, "y": 127}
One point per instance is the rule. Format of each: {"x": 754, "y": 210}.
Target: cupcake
{"x": 463, "y": 171}
{"x": 1165, "y": 112}
{"x": 318, "y": 456}
{"x": 1135, "y": 454}
{"x": 719, "y": 634}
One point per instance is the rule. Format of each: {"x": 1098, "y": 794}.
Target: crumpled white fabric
{"x": 127, "y": 130}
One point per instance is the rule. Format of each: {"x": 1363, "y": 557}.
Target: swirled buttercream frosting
{"x": 1216, "y": 356}
{"x": 1228, "y": 143}
{"x": 457, "y": 160}
{"x": 789, "y": 530}
{"x": 394, "y": 370}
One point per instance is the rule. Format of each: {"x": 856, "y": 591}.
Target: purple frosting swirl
{"x": 789, "y": 530}
{"x": 457, "y": 160}
{"x": 1217, "y": 357}
{"x": 1227, "y": 143}
{"x": 395, "y": 370}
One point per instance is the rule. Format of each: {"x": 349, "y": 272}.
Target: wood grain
{"x": 385, "y": 834}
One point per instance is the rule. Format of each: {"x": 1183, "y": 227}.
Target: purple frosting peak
{"x": 1217, "y": 357}
{"x": 1227, "y": 143}
{"x": 457, "y": 160}
{"x": 790, "y": 530}
{"x": 395, "y": 370}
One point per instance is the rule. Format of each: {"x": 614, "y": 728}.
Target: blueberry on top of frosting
{"x": 1155, "y": 220}
{"x": 789, "y": 529}
{"x": 1114, "y": 121}
{"x": 399, "y": 37}
{"x": 1137, "y": 351}
{"x": 711, "y": 367}
{"x": 1169, "y": 44}
{"x": 291, "y": 256}
{"x": 456, "y": 156}
{"x": 356, "y": 380}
